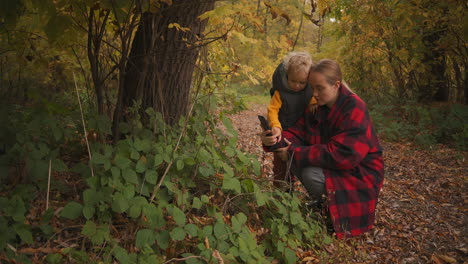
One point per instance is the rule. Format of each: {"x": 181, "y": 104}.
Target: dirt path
{"x": 422, "y": 211}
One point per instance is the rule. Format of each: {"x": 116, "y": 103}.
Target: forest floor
{"x": 422, "y": 211}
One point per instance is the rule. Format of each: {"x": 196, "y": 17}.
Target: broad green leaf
{"x": 206, "y": 170}
{"x": 88, "y": 211}
{"x": 122, "y": 162}
{"x": 128, "y": 191}
{"x": 189, "y": 161}
{"x": 158, "y": 159}
{"x": 238, "y": 222}
{"x": 220, "y": 230}
{"x": 295, "y": 218}
{"x": 162, "y": 238}
{"x": 130, "y": 176}
{"x": 98, "y": 158}
{"x": 248, "y": 185}
{"x": 89, "y": 229}
{"x": 142, "y": 145}
{"x": 244, "y": 251}
{"x": 151, "y": 176}
{"x": 141, "y": 165}
{"x": 180, "y": 164}
{"x": 230, "y": 183}
{"x": 228, "y": 169}
{"x": 290, "y": 256}
{"x": 121, "y": 255}
{"x": 179, "y": 216}
{"x": 136, "y": 206}
{"x": 207, "y": 231}
{"x": 256, "y": 166}
{"x": 90, "y": 197}
{"x": 72, "y": 210}
{"x": 14, "y": 207}
{"x": 134, "y": 155}
{"x": 23, "y": 233}
{"x": 97, "y": 233}
{"x": 177, "y": 233}
{"x": 115, "y": 173}
{"x": 230, "y": 151}
{"x": 234, "y": 251}
{"x": 197, "y": 204}
{"x": 226, "y": 121}
{"x": 119, "y": 204}
{"x": 191, "y": 229}
{"x": 205, "y": 199}
{"x": 155, "y": 215}
{"x": 280, "y": 246}
{"x": 145, "y": 237}
{"x": 260, "y": 197}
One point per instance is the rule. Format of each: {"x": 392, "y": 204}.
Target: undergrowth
{"x": 424, "y": 125}
{"x": 161, "y": 194}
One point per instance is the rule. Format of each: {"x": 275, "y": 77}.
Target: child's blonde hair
{"x": 297, "y": 61}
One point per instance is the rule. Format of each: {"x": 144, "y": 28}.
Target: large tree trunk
{"x": 162, "y": 60}
{"x": 436, "y": 87}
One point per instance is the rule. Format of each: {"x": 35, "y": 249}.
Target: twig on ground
{"x": 183, "y": 259}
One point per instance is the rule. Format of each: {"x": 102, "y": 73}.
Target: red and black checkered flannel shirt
{"x": 343, "y": 142}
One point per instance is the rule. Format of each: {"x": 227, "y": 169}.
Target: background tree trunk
{"x": 162, "y": 60}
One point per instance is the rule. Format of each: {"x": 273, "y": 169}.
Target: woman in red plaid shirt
{"x": 336, "y": 152}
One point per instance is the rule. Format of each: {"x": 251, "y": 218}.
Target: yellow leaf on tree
{"x": 178, "y": 27}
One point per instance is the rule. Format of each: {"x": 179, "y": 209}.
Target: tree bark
{"x": 162, "y": 60}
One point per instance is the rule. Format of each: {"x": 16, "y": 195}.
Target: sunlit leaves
{"x": 276, "y": 11}
{"x": 397, "y": 45}
{"x": 178, "y": 27}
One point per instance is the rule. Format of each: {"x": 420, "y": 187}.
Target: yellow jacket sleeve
{"x": 273, "y": 110}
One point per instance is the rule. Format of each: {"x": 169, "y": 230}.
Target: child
{"x": 291, "y": 94}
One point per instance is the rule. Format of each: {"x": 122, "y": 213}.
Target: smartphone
{"x": 264, "y": 124}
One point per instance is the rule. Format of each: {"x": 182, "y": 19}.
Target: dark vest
{"x": 293, "y": 103}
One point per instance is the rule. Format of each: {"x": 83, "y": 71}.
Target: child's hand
{"x": 268, "y": 140}
{"x": 313, "y": 108}
{"x": 276, "y": 131}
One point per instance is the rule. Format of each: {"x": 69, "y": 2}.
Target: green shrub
{"x": 426, "y": 125}
{"x": 161, "y": 192}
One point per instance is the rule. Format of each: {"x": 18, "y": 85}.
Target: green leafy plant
{"x": 424, "y": 125}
